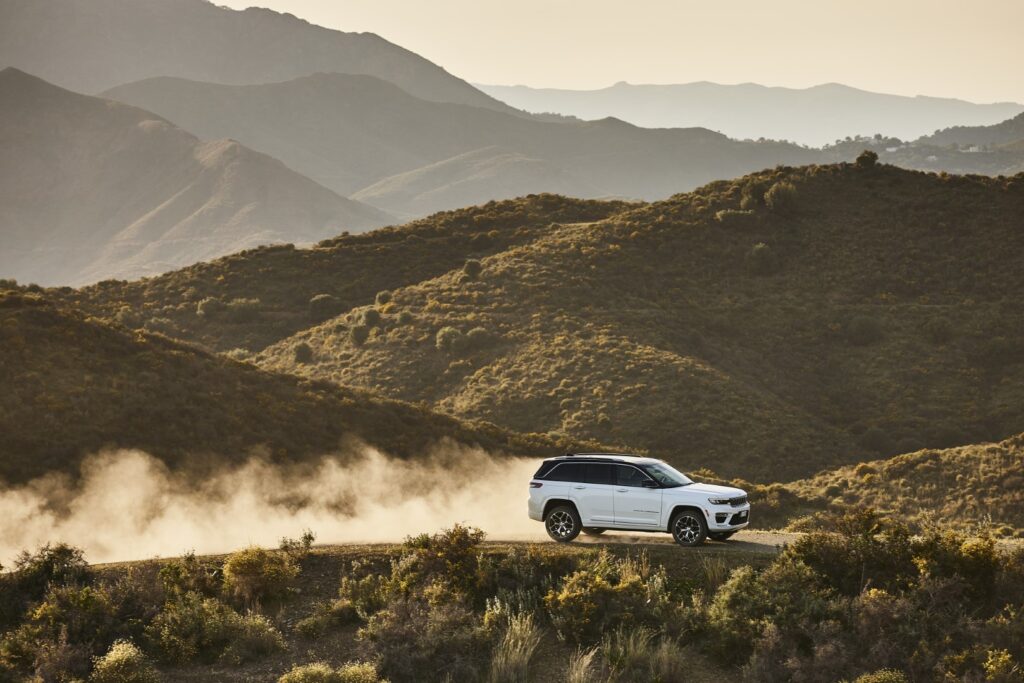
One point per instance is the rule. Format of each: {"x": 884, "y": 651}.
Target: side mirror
{"x": 649, "y": 484}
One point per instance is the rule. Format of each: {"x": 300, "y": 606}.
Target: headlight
{"x": 718, "y": 501}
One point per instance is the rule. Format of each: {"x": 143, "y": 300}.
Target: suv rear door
{"x": 591, "y": 488}
{"x": 635, "y": 504}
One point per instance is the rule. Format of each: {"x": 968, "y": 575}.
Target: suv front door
{"x": 637, "y": 498}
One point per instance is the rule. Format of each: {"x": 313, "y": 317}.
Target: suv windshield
{"x": 667, "y": 475}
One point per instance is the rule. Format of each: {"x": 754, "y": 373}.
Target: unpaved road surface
{"x": 742, "y": 542}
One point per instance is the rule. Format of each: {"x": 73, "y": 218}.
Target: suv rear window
{"x": 567, "y": 471}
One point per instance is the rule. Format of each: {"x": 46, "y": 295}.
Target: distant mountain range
{"x": 812, "y": 116}
{"x": 366, "y": 137}
{"x": 91, "y": 189}
{"x": 91, "y": 45}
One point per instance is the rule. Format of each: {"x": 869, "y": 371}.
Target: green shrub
{"x": 382, "y": 298}
{"x": 788, "y": 595}
{"x": 323, "y": 307}
{"x": 449, "y": 340}
{"x": 752, "y": 194}
{"x": 34, "y": 573}
{"x": 327, "y": 617}
{"x": 781, "y": 198}
{"x": 189, "y": 574}
{"x": 404, "y": 317}
{"x": 370, "y": 317}
{"x": 472, "y": 268}
{"x": 303, "y": 353}
{"x": 449, "y": 557}
{"x": 210, "y": 307}
{"x": 353, "y": 672}
{"x": 256, "y": 574}
{"x": 358, "y": 334}
{"x": 478, "y": 338}
{"x": 367, "y": 594}
{"x": 298, "y": 548}
{"x": 123, "y": 663}
{"x": 604, "y": 594}
{"x": 192, "y": 627}
{"x": 414, "y": 640}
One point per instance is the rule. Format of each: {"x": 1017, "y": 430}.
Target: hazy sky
{"x": 954, "y": 48}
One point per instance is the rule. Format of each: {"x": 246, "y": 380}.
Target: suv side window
{"x": 630, "y": 476}
{"x": 567, "y": 471}
{"x": 600, "y": 473}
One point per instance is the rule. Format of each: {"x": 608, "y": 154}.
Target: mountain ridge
{"x": 94, "y": 189}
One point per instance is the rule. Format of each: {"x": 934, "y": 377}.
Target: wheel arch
{"x": 679, "y": 508}
{"x": 555, "y": 502}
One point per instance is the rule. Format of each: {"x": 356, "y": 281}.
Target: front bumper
{"x": 727, "y": 518}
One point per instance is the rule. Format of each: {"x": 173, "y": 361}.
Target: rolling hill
{"x": 365, "y": 137}
{"x": 977, "y": 485}
{"x": 93, "y": 189}
{"x": 1003, "y": 133}
{"x": 813, "y": 116}
{"x": 91, "y": 46}
{"x": 74, "y": 385}
{"x": 254, "y": 298}
{"x": 767, "y": 327}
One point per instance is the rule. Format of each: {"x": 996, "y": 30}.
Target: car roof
{"x": 610, "y": 457}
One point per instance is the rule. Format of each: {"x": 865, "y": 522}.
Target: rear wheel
{"x": 689, "y": 528}
{"x": 563, "y": 523}
{"x": 720, "y": 535}
{"x": 593, "y": 531}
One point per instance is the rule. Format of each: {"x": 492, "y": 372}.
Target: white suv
{"x": 592, "y": 492}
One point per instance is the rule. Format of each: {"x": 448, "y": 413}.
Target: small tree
{"x": 867, "y": 159}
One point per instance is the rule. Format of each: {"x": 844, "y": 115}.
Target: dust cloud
{"x": 127, "y": 505}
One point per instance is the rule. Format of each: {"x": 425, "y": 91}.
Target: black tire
{"x": 593, "y": 531}
{"x": 563, "y": 523}
{"x": 720, "y": 535}
{"x": 688, "y": 528}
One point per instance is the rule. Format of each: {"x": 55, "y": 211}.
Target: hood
{"x": 711, "y": 490}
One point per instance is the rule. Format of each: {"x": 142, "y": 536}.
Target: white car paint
{"x": 610, "y": 506}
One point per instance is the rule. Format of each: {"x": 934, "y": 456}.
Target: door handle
{"x": 622, "y": 490}
{"x": 579, "y": 487}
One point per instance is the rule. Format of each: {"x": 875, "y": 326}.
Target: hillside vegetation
{"x": 74, "y": 385}
{"x": 254, "y": 298}
{"x": 766, "y": 327}
{"x": 979, "y": 485}
{"x": 91, "y": 188}
{"x": 866, "y": 604}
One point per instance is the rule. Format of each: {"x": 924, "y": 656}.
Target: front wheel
{"x": 720, "y": 535}
{"x": 689, "y": 528}
{"x": 563, "y": 523}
